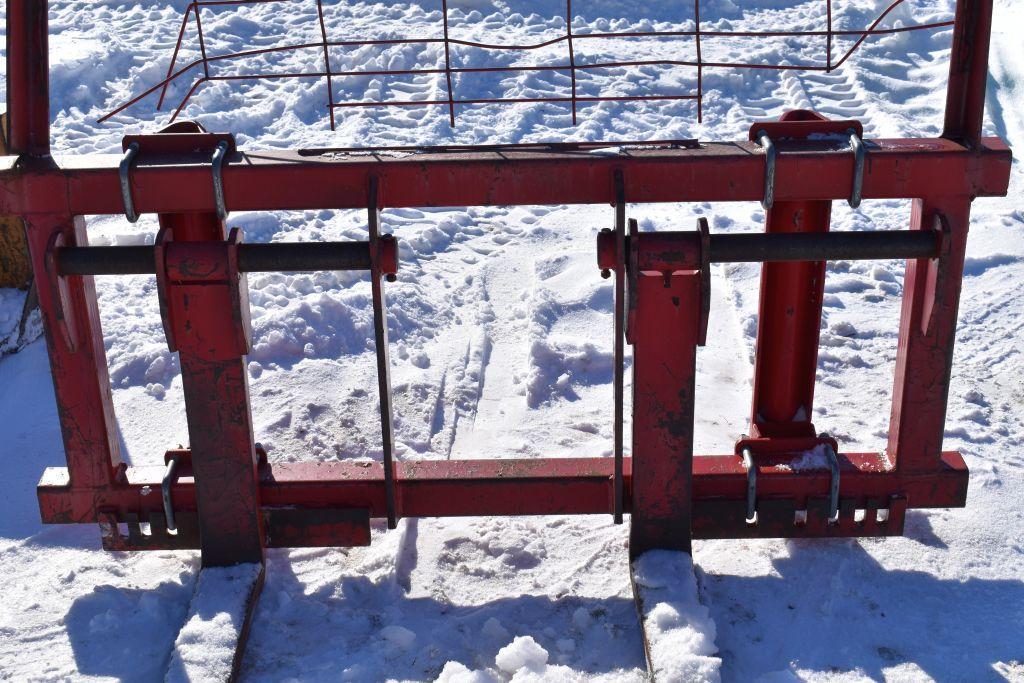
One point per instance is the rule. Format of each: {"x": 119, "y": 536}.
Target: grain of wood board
{"x": 15, "y": 270}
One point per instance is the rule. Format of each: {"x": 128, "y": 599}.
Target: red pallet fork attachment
{"x": 795, "y": 167}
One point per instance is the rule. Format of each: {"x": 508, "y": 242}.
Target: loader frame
{"x": 222, "y": 495}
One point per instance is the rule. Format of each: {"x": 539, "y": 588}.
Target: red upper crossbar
{"x": 570, "y": 66}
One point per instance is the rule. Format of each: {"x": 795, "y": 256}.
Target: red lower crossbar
{"x": 307, "y": 494}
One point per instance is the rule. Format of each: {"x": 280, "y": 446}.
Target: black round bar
{"x": 252, "y": 258}
{"x": 825, "y": 246}
{"x": 742, "y": 248}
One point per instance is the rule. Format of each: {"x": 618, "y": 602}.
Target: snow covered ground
{"x": 501, "y": 343}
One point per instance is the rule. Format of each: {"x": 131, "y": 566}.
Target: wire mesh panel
{"x": 558, "y": 67}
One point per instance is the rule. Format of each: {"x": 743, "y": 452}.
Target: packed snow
{"x": 205, "y": 648}
{"x": 680, "y": 632}
{"x": 500, "y": 331}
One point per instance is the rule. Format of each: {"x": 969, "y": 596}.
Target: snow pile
{"x": 815, "y": 459}
{"x": 680, "y": 630}
{"x": 206, "y": 645}
{"x": 523, "y": 652}
{"x": 521, "y": 661}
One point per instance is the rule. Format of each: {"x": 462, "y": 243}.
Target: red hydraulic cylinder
{"x": 789, "y": 319}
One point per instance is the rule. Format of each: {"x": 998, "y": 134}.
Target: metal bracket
{"x": 63, "y": 312}
{"x": 770, "y": 157}
{"x": 124, "y": 171}
{"x": 632, "y": 265}
{"x": 705, "y": 280}
{"x": 860, "y": 153}
{"x": 938, "y": 272}
{"x": 164, "y": 235}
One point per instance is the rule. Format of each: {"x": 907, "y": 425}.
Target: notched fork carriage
{"x": 223, "y": 497}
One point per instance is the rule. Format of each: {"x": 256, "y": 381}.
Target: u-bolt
{"x": 165, "y": 487}
{"x": 770, "y": 155}
{"x": 748, "y": 462}
{"x": 218, "y": 179}
{"x": 860, "y": 152}
{"x": 833, "y": 492}
{"x": 124, "y": 170}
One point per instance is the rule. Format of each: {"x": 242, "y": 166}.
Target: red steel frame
{"x": 232, "y": 505}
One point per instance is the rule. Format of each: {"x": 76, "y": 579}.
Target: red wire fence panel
{"x": 569, "y": 64}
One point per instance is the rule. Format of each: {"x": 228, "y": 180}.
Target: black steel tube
{"x": 827, "y": 246}
{"x": 252, "y": 258}
{"x": 298, "y": 256}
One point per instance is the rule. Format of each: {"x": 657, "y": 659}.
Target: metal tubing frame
{"x": 942, "y": 176}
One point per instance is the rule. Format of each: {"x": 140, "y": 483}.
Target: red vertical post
{"x": 789, "y": 318}
{"x": 931, "y": 290}
{"x": 924, "y": 358}
{"x": 667, "y": 324}
{"x": 78, "y": 361}
{"x": 968, "y": 72}
{"x": 205, "y": 307}
{"x": 28, "y": 77}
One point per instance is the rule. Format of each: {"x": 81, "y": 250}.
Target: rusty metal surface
{"x": 512, "y": 487}
{"x": 664, "y": 373}
{"x": 717, "y": 171}
{"x": 924, "y": 354}
{"x": 78, "y": 363}
{"x": 206, "y": 315}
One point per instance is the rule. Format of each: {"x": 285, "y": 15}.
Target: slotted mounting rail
{"x": 795, "y": 167}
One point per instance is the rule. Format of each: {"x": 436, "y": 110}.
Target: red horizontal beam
{"x": 454, "y": 488}
{"x": 272, "y": 180}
